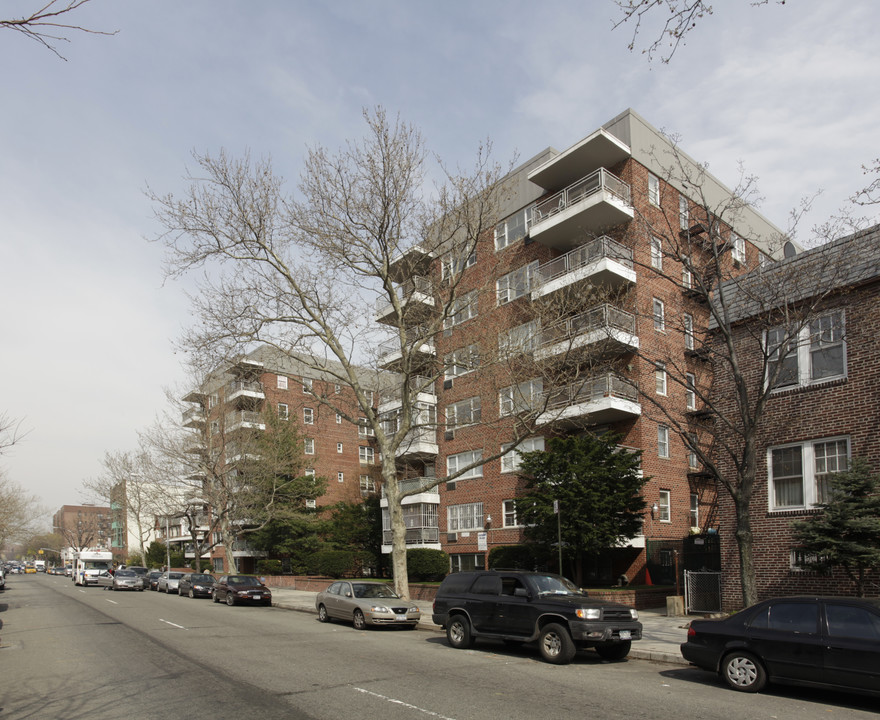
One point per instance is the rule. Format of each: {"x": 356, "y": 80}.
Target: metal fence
{"x": 702, "y": 591}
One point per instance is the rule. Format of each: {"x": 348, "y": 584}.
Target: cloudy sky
{"x": 87, "y": 321}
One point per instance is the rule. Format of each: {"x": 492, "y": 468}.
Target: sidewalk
{"x": 661, "y": 635}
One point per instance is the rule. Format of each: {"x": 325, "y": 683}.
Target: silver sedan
{"x": 366, "y": 603}
{"x": 168, "y": 581}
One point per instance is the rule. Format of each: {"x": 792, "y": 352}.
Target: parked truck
{"x": 88, "y": 564}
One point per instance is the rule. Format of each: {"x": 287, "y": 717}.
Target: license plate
{"x": 402, "y": 617}
{"x": 256, "y": 597}
{"x": 625, "y": 635}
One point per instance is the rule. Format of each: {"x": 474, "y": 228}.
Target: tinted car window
{"x": 852, "y": 622}
{"x": 487, "y": 585}
{"x": 456, "y": 583}
{"x": 334, "y": 588}
{"x": 789, "y": 617}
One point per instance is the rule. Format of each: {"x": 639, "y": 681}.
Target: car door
{"x": 482, "y": 603}
{"x": 513, "y": 611}
{"x": 331, "y": 600}
{"x": 852, "y": 645}
{"x": 786, "y": 636}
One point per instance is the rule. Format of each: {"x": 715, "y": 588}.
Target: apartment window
{"x": 660, "y": 378}
{"x": 282, "y": 382}
{"x": 364, "y": 429}
{"x": 370, "y": 398}
{"x": 659, "y": 311}
{"x": 690, "y": 391}
{"x": 801, "y": 560}
{"x": 688, "y": 324}
{"x": 739, "y": 248}
{"x": 683, "y": 213}
{"x": 520, "y": 339}
{"x": 764, "y": 259}
{"x": 454, "y": 262}
{"x": 517, "y": 283}
{"x": 799, "y": 473}
{"x": 816, "y": 353}
{"x": 309, "y": 473}
{"x": 307, "y": 385}
{"x": 311, "y": 504}
{"x": 340, "y": 477}
{"x": 463, "y": 308}
{"x": 337, "y": 388}
{"x": 367, "y": 455}
{"x": 653, "y": 189}
{"x": 339, "y": 448}
{"x": 309, "y": 446}
{"x": 213, "y": 399}
{"x": 465, "y": 412}
{"x": 656, "y": 253}
{"x": 508, "y": 513}
{"x": 283, "y": 411}
{"x": 462, "y": 361}
{"x": 454, "y": 463}
{"x": 308, "y": 416}
{"x": 695, "y": 510}
{"x": 662, "y": 441}
{"x": 687, "y": 276}
{"x": 338, "y": 419}
{"x": 218, "y": 565}
{"x": 513, "y": 228}
{"x": 464, "y": 517}
{"x": 521, "y": 398}
{"x": 691, "y": 444}
{"x": 511, "y": 461}
{"x": 664, "y": 506}
{"x": 367, "y": 485}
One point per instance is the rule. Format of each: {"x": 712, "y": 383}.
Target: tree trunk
{"x": 746, "y": 561}
{"x": 398, "y": 527}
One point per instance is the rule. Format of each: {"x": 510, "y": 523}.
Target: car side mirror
{"x": 520, "y": 592}
{"x": 348, "y": 593}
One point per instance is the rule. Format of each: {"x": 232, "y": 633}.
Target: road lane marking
{"x": 394, "y": 701}
{"x": 172, "y": 624}
{"x": 111, "y": 601}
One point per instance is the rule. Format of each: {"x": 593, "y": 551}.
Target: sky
{"x": 786, "y": 92}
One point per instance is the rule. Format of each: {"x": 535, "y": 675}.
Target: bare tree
{"x": 10, "y": 432}
{"x": 19, "y": 511}
{"x": 48, "y": 24}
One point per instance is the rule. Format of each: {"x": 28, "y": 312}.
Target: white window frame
{"x": 464, "y": 518}
{"x": 688, "y": 324}
{"x": 339, "y": 448}
{"x": 520, "y": 339}
{"x": 282, "y": 382}
{"x": 664, "y": 505}
{"x": 308, "y": 416}
{"x": 520, "y": 398}
{"x": 340, "y": 477}
{"x": 819, "y": 334}
{"x": 659, "y": 312}
{"x": 462, "y": 309}
{"x": 663, "y": 441}
{"x": 738, "y": 248}
{"x": 283, "y": 411}
{"x": 452, "y": 263}
{"x": 309, "y": 446}
{"x": 695, "y": 510}
{"x": 364, "y": 430}
{"x": 463, "y": 459}
{"x": 815, "y": 465}
{"x": 511, "y": 229}
{"x": 690, "y": 391}
{"x": 660, "y": 378}
{"x": 683, "y": 213}
{"x": 687, "y": 276}
{"x": 511, "y": 460}
{"x": 516, "y": 284}
{"x": 690, "y": 445}
{"x": 366, "y": 455}
{"x": 653, "y": 189}
{"x": 508, "y": 514}
{"x": 308, "y": 384}
{"x": 463, "y": 413}
{"x": 656, "y": 253}
{"x": 462, "y": 361}
{"x": 367, "y": 484}
{"x": 339, "y": 418}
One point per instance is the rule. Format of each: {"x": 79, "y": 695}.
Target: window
{"x": 338, "y": 419}
{"x": 801, "y": 560}
{"x": 370, "y": 398}
{"x": 308, "y": 416}
{"x": 852, "y": 622}
{"x": 520, "y": 339}
{"x": 337, "y": 388}
{"x": 687, "y": 275}
{"x": 464, "y": 517}
{"x": 339, "y": 448}
{"x": 683, "y": 213}
{"x": 367, "y": 485}
{"x": 656, "y": 253}
{"x": 465, "y": 412}
{"x": 662, "y": 441}
{"x": 802, "y": 618}
{"x": 283, "y": 411}
{"x": 799, "y": 473}
{"x": 688, "y": 323}
{"x": 517, "y": 283}
{"x": 309, "y": 473}
{"x": 690, "y": 391}
{"x": 508, "y": 512}
{"x": 653, "y": 190}
{"x": 307, "y": 385}
{"x": 467, "y": 561}
{"x": 695, "y": 510}
{"x": 309, "y": 446}
{"x": 691, "y": 445}
{"x": 817, "y": 352}
{"x": 367, "y": 455}
{"x": 764, "y": 259}
{"x": 463, "y": 308}
{"x": 311, "y": 504}
{"x": 218, "y": 564}
{"x": 514, "y": 228}
{"x": 454, "y": 262}
{"x": 511, "y": 461}
{"x": 340, "y": 477}
{"x": 659, "y": 315}
{"x": 660, "y": 378}
{"x": 739, "y": 248}
{"x": 282, "y": 382}
{"x": 462, "y": 361}
{"x": 213, "y": 399}
{"x": 461, "y": 460}
{"x": 664, "y": 510}
{"x": 521, "y": 398}
{"x": 364, "y": 430}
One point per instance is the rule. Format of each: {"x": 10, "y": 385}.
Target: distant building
{"x": 84, "y": 526}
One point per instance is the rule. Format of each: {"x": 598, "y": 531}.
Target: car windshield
{"x": 125, "y": 573}
{"x": 555, "y": 585}
{"x": 175, "y": 576}
{"x": 245, "y": 580}
{"x": 369, "y": 590}
{"x": 200, "y": 577}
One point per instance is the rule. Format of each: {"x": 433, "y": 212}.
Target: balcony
{"x": 391, "y": 356}
{"x": 194, "y": 417}
{"x": 244, "y": 420}
{"x": 603, "y": 323}
{"x": 602, "y": 261}
{"x": 607, "y": 398}
{"x": 597, "y": 150}
{"x": 420, "y": 516}
{"x": 420, "y": 442}
{"x": 414, "y": 261}
{"x": 416, "y": 297}
{"x": 194, "y": 444}
{"x": 244, "y": 390}
{"x": 429, "y": 495}
{"x": 421, "y": 390}
{"x": 592, "y": 204}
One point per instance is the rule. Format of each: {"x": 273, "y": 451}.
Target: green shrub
{"x": 521, "y": 557}
{"x": 426, "y": 564}
{"x": 268, "y": 566}
{"x": 333, "y": 563}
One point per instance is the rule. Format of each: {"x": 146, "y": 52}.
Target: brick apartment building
{"x": 823, "y": 411}
{"x": 84, "y": 526}
{"x": 577, "y": 225}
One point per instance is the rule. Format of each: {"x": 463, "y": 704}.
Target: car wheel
{"x": 614, "y": 651}
{"x": 458, "y": 632}
{"x": 358, "y": 620}
{"x": 214, "y": 597}
{"x": 555, "y": 644}
{"x": 230, "y": 599}
{"x": 191, "y": 593}
{"x": 743, "y": 671}
{"x": 322, "y": 614}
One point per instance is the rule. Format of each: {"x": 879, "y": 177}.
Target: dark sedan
{"x": 818, "y": 641}
{"x": 151, "y": 581}
{"x": 235, "y": 589}
{"x": 196, "y": 585}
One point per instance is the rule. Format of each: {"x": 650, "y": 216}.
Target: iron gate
{"x": 702, "y": 591}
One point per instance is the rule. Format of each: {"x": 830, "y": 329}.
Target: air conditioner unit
{"x": 452, "y": 537}
{"x": 449, "y": 435}
{"x": 450, "y": 485}
{"x": 447, "y": 384}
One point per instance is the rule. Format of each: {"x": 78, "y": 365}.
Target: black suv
{"x": 518, "y": 606}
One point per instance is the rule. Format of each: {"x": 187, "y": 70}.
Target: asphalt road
{"x": 69, "y": 652}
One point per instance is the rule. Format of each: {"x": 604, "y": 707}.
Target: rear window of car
{"x": 789, "y": 617}
{"x": 455, "y": 583}
{"x": 852, "y": 622}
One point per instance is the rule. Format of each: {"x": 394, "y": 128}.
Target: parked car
{"x": 141, "y": 572}
{"x": 196, "y": 585}
{"x": 235, "y": 589}
{"x": 819, "y": 641}
{"x": 520, "y": 606}
{"x": 120, "y": 580}
{"x": 366, "y": 603}
{"x": 152, "y": 579}
{"x": 168, "y": 581}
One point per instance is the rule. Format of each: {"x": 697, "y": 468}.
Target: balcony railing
{"x": 418, "y": 385}
{"x": 584, "y": 188}
{"x": 601, "y": 247}
{"x": 415, "y": 286}
{"x": 601, "y": 317}
{"x": 415, "y": 536}
{"x": 237, "y": 387}
{"x": 393, "y": 346}
{"x": 581, "y": 391}
{"x": 244, "y": 418}
{"x": 193, "y": 417}
{"x": 418, "y": 484}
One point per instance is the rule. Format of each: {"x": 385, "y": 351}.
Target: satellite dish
{"x": 789, "y": 250}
